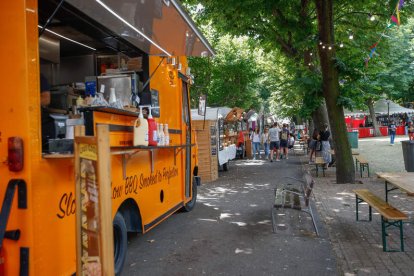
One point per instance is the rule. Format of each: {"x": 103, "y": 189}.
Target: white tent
{"x": 381, "y": 107}
{"x": 212, "y": 113}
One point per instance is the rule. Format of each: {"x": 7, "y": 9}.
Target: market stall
{"x": 385, "y": 111}
{"x": 217, "y": 137}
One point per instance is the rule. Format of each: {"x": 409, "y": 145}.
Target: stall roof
{"x": 157, "y": 27}
{"x": 381, "y": 107}
{"x": 212, "y": 113}
{"x": 348, "y": 112}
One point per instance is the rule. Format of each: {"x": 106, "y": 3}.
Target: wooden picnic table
{"x": 399, "y": 180}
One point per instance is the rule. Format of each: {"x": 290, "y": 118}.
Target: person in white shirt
{"x": 255, "y": 137}
{"x": 265, "y": 141}
{"x": 274, "y": 134}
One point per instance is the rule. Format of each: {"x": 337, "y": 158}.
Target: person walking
{"x": 410, "y": 131}
{"x": 312, "y": 146}
{"x": 284, "y": 136}
{"x": 326, "y": 147}
{"x": 274, "y": 133}
{"x": 265, "y": 141}
{"x": 255, "y": 137}
{"x": 392, "y": 129}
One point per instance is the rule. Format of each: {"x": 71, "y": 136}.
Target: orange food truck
{"x": 99, "y": 61}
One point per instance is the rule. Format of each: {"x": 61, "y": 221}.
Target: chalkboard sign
{"x": 155, "y": 102}
{"x": 94, "y": 237}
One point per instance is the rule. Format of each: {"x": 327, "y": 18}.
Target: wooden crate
{"x": 207, "y": 163}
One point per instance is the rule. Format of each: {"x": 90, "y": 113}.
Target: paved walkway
{"x": 358, "y": 245}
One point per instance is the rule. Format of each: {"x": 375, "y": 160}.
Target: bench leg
{"x": 368, "y": 169}
{"x": 384, "y": 225}
{"x": 401, "y": 236}
{"x": 316, "y": 170}
{"x": 384, "y": 233}
{"x": 360, "y": 169}
{"x": 357, "y": 201}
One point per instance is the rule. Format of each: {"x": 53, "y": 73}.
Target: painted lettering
{"x": 117, "y": 192}
{"x": 67, "y": 205}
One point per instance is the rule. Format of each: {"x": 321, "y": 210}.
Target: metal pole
{"x": 388, "y": 103}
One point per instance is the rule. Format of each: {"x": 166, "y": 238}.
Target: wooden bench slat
{"x": 319, "y": 160}
{"x": 361, "y": 159}
{"x": 386, "y": 210}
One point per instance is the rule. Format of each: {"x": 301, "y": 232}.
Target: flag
{"x": 401, "y": 4}
{"x": 372, "y": 52}
{"x": 394, "y": 20}
{"x": 374, "y": 45}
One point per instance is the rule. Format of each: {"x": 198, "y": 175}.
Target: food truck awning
{"x": 157, "y": 27}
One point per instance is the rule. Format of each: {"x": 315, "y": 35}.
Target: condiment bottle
{"x": 161, "y": 136}
{"x": 141, "y": 130}
{"x": 166, "y": 135}
{"x": 152, "y": 130}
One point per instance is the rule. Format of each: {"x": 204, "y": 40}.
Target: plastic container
{"x": 141, "y": 130}
{"x": 408, "y": 153}
{"x": 152, "y": 130}
{"x": 161, "y": 137}
{"x": 166, "y": 135}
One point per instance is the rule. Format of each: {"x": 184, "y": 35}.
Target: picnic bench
{"x": 320, "y": 162}
{"x": 294, "y": 196}
{"x": 363, "y": 164}
{"x": 390, "y": 216}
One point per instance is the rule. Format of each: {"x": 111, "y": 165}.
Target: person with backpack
{"x": 284, "y": 136}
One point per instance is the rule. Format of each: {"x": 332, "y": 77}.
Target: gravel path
{"x": 381, "y": 155}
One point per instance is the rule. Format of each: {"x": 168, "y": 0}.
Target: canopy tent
{"x": 348, "y": 112}
{"x": 234, "y": 115}
{"x": 212, "y": 113}
{"x": 381, "y": 107}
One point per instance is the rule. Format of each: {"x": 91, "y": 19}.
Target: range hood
{"x": 156, "y": 27}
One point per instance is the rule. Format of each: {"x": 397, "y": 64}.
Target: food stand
{"x": 217, "y": 137}
{"x": 146, "y": 184}
{"x": 361, "y": 121}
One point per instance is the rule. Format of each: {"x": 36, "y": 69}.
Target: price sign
{"x": 93, "y": 204}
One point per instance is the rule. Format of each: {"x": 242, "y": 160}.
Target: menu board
{"x": 93, "y": 205}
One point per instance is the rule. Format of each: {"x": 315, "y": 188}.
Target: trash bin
{"x": 353, "y": 138}
{"x": 408, "y": 153}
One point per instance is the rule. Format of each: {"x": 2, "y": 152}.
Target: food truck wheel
{"x": 190, "y": 205}
{"x": 225, "y": 166}
{"x": 120, "y": 242}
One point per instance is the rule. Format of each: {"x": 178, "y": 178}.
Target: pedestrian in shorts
{"x": 274, "y": 133}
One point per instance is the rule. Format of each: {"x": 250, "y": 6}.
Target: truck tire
{"x": 225, "y": 167}
{"x": 190, "y": 205}
{"x": 120, "y": 242}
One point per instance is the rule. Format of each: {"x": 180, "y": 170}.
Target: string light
{"x": 330, "y": 48}
{"x": 311, "y": 54}
{"x": 320, "y": 43}
{"x": 323, "y": 47}
{"x": 351, "y": 36}
{"x": 341, "y": 45}
{"x": 372, "y": 17}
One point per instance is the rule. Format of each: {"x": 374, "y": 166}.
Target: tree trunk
{"x": 370, "y": 104}
{"x": 320, "y": 116}
{"x": 345, "y": 171}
